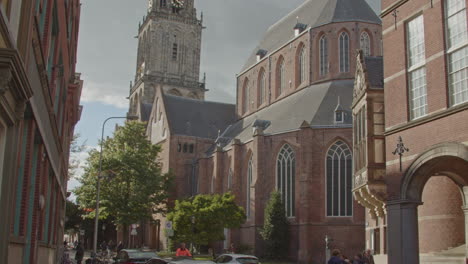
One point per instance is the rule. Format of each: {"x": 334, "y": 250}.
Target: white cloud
{"x": 106, "y": 93}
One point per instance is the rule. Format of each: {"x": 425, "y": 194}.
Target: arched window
{"x": 365, "y": 43}
{"x": 339, "y": 181}
{"x": 185, "y": 147}
{"x": 248, "y": 186}
{"x": 261, "y": 87}
{"x": 285, "y": 178}
{"x": 245, "y": 94}
{"x": 281, "y": 76}
{"x": 191, "y": 148}
{"x": 323, "y": 55}
{"x": 302, "y": 65}
{"x": 344, "y": 52}
{"x": 229, "y": 181}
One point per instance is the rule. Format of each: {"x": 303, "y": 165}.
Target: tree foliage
{"x": 133, "y": 187}
{"x": 275, "y": 230}
{"x": 211, "y": 214}
{"x": 73, "y": 215}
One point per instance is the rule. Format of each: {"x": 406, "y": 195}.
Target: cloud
{"x": 106, "y": 93}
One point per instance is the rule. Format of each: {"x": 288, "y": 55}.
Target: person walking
{"x": 336, "y": 257}
{"x": 79, "y": 253}
{"x": 182, "y": 251}
{"x": 367, "y": 257}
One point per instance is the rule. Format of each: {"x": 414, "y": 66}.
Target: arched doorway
{"x": 445, "y": 160}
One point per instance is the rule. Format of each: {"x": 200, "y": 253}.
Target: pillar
{"x": 465, "y": 210}
{"x": 402, "y": 229}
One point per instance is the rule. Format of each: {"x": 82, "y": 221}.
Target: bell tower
{"x": 168, "y": 57}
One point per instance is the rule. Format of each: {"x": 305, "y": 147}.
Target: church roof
{"x": 313, "y": 13}
{"x": 314, "y": 104}
{"x": 198, "y": 118}
{"x": 374, "y": 67}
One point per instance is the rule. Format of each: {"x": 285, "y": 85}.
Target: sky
{"x": 107, "y": 52}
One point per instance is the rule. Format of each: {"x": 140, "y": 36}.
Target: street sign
{"x": 169, "y": 225}
{"x": 134, "y": 232}
{"x": 170, "y": 232}
{"x": 82, "y": 232}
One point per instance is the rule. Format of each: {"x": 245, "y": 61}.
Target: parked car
{"x": 134, "y": 256}
{"x": 157, "y": 261}
{"x": 189, "y": 260}
{"x": 237, "y": 259}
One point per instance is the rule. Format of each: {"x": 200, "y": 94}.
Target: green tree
{"x": 210, "y": 215}
{"x": 275, "y": 230}
{"x": 73, "y": 214}
{"x": 133, "y": 188}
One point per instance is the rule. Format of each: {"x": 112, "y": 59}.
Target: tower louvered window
{"x": 248, "y": 186}
{"x": 174, "y": 51}
{"x": 281, "y": 76}
{"x": 302, "y": 65}
{"x": 339, "y": 180}
{"x": 285, "y": 178}
{"x": 261, "y": 87}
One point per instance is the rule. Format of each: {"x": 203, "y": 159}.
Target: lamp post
{"x": 192, "y": 219}
{"x": 96, "y": 218}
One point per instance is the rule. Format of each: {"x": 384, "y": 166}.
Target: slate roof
{"x": 315, "y": 104}
{"x": 313, "y": 13}
{"x": 145, "y": 111}
{"x": 198, "y": 118}
{"x": 375, "y": 75}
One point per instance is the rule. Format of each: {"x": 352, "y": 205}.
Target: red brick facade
{"x": 39, "y": 106}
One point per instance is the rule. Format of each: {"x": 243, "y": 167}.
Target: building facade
{"x": 290, "y": 129}
{"x": 39, "y": 107}
{"x": 412, "y": 171}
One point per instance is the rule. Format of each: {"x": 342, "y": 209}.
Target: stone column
{"x": 465, "y": 210}
{"x": 402, "y": 229}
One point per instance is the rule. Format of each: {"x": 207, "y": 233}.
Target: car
{"x": 157, "y": 261}
{"x": 134, "y": 256}
{"x": 237, "y": 259}
{"x": 189, "y": 260}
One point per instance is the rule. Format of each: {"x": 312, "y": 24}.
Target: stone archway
{"x": 449, "y": 159}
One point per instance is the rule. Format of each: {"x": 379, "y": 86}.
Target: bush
{"x": 275, "y": 230}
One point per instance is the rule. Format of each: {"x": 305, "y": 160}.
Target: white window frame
{"x": 417, "y": 85}
{"x": 286, "y": 184}
{"x": 458, "y": 89}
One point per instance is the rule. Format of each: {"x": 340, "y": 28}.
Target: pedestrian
{"x": 358, "y": 259}
{"x": 346, "y": 259}
{"x": 111, "y": 245}
{"x": 367, "y": 257}
{"x": 232, "y": 249}
{"x": 336, "y": 257}
{"x": 103, "y": 246}
{"x": 79, "y": 253}
{"x": 120, "y": 246}
{"x": 182, "y": 251}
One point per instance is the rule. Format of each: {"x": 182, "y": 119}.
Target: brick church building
{"x": 290, "y": 129}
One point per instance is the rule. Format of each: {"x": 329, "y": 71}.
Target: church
{"x": 290, "y": 130}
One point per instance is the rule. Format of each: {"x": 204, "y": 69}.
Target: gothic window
{"x": 163, "y": 3}
{"x": 191, "y": 148}
{"x": 416, "y": 67}
{"x": 323, "y": 43}
{"x": 229, "y": 180}
{"x": 344, "y": 52}
{"x": 457, "y": 45}
{"x": 365, "y": 44}
{"x": 281, "y": 76}
{"x": 286, "y": 177}
{"x": 339, "y": 181}
{"x": 185, "y": 147}
{"x": 248, "y": 186}
{"x": 261, "y": 87}
{"x": 302, "y": 65}
{"x": 179, "y": 147}
{"x": 174, "y": 51}
{"x": 245, "y": 95}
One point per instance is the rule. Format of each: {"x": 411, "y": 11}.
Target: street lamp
{"x": 96, "y": 218}
{"x": 192, "y": 219}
